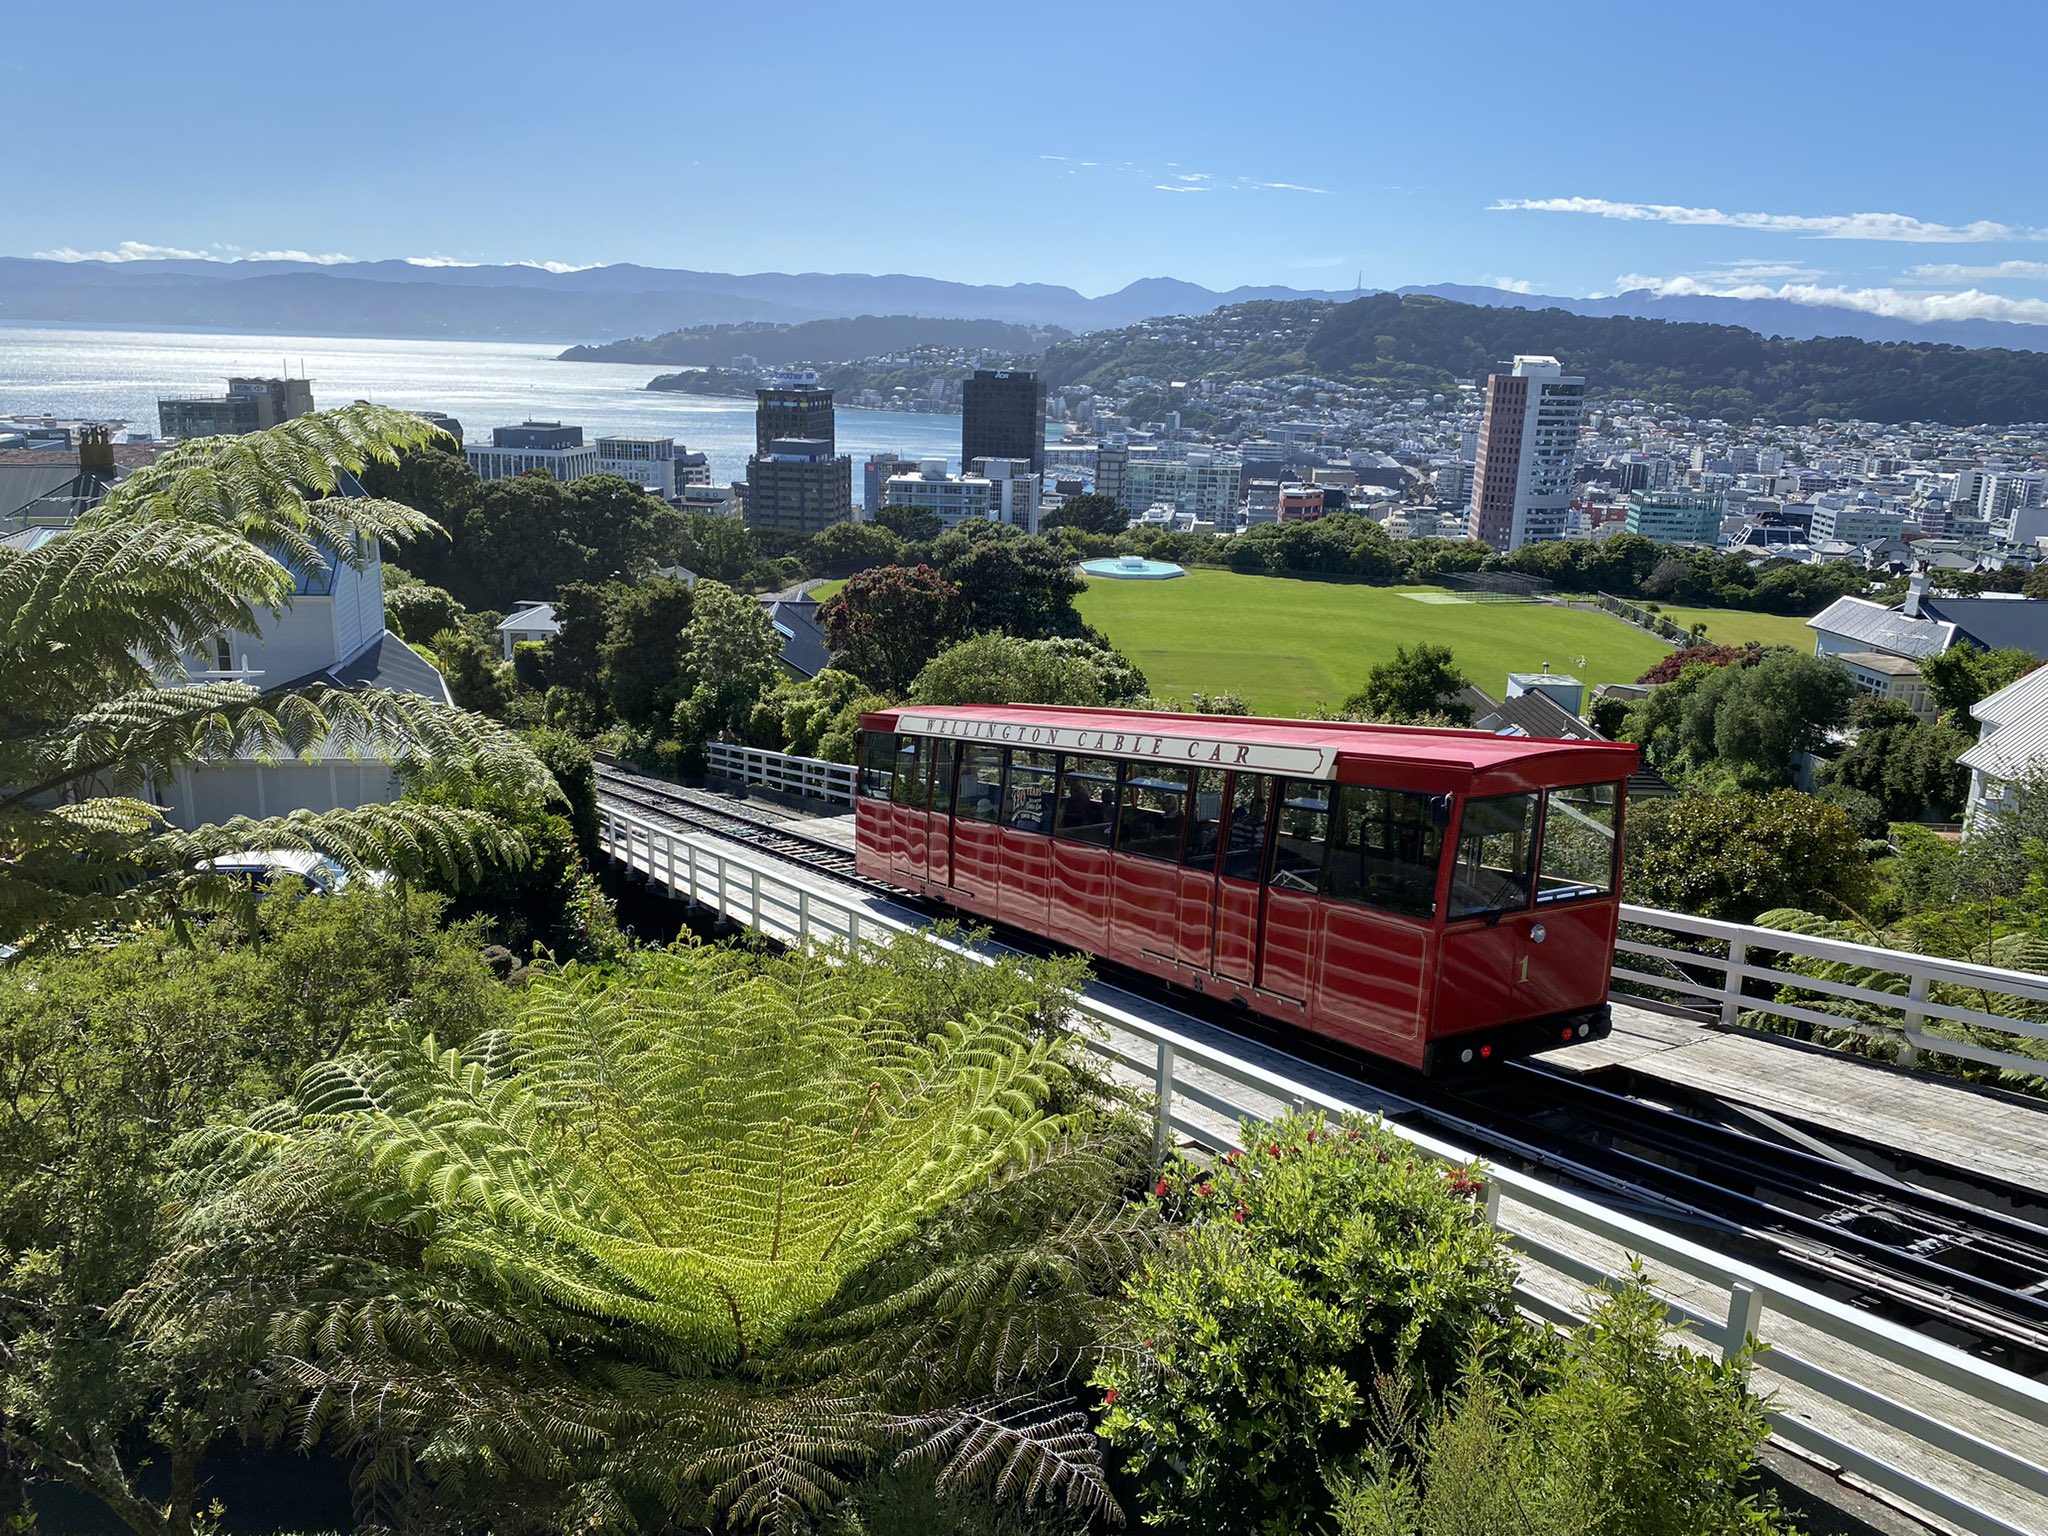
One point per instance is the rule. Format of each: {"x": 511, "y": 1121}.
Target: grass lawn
{"x": 1288, "y": 645}
{"x": 1731, "y": 626}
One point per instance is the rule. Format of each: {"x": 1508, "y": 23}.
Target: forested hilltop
{"x": 816, "y": 341}
{"x": 1422, "y": 342}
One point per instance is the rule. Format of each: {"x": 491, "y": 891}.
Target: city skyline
{"x": 1630, "y": 151}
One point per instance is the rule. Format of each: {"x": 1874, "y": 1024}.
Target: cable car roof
{"x": 1302, "y": 748}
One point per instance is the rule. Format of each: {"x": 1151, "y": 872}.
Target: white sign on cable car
{"x": 1154, "y": 746}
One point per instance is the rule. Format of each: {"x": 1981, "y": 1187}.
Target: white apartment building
{"x": 1850, "y": 522}
{"x": 1205, "y": 483}
{"x": 2000, "y": 496}
{"x": 1528, "y": 445}
{"x": 1004, "y": 492}
{"x": 648, "y": 461}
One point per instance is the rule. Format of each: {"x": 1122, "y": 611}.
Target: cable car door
{"x": 1239, "y": 912}
{"x": 939, "y": 856}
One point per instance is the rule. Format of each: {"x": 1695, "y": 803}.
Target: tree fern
{"x": 93, "y": 622}
{"x": 739, "y": 1231}
{"x": 2018, "y": 949}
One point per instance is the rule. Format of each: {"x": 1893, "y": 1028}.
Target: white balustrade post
{"x": 1745, "y": 1317}
{"x": 1162, "y": 1124}
{"x": 1909, "y": 1030}
{"x": 1731, "y": 992}
{"x": 803, "y": 914}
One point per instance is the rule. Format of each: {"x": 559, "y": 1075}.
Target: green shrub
{"x": 1628, "y": 1437}
{"x": 1322, "y": 1258}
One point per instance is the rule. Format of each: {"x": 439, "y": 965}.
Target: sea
{"x": 97, "y": 374}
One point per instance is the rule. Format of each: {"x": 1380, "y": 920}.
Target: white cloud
{"x": 1898, "y": 227}
{"x": 127, "y": 250}
{"x": 439, "y": 261}
{"x": 561, "y": 266}
{"x": 1168, "y": 186}
{"x": 1290, "y": 186}
{"x": 1950, "y": 272}
{"x": 1892, "y": 303}
{"x": 1194, "y": 176}
{"x": 142, "y": 250}
{"x": 1509, "y": 284}
{"x": 1052, "y": 157}
{"x": 1762, "y": 271}
{"x": 324, "y": 259}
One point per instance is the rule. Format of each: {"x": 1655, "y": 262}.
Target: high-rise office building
{"x": 250, "y": 405}
{"x": 796, "y": 481}
{"x": 648, "y": 461}
{"x": 1003, "y": 417}
{"x": 793, "y": 407}
{"x": 1528, "y": 441}
{"x": 798, "y": 486}
{"x": 875, "y": 476}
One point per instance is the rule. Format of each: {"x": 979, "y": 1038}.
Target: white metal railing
{"x": 1715, "y": 980}
{"x": 792, "y": 775}
{"x": 1709, "y": 980}
{"x": 1952, "y": 1435}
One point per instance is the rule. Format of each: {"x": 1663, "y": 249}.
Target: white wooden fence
{"x": 783, "y": 771}
{"x": 1938, "y": 1429}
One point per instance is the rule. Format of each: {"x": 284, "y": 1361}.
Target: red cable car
{"x": 1437, "y": 897}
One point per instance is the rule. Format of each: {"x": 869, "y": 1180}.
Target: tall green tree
{"x": 885, "y": 624}
{"x": 709, "y": 1238}
{"x": 1090, "y": 512}
{"x": 1961, "y": 675}
{"x": 95, "y": 623}
{"x": 1417, "y": 683}
{"x": 640, "y": 660}
{"x": 732, "y": 656}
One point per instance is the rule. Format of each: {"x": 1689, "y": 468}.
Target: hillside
{"x": 816, "y": 341}
{"x": 1426, "y": 343}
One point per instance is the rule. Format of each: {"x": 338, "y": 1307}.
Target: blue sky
{"x": 1876, "y": 155}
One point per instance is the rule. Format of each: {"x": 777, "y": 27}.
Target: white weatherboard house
{"x": 2013, "y": 744}
{"x": 528, "y": 620}
{"x": 332, "y": 632}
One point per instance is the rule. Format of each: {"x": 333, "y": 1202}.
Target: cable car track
{"x": 1930, "y": 1259}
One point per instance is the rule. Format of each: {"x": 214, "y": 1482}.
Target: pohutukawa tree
{"x": 708, "y": 1239}
{"x": 97, "y": 622}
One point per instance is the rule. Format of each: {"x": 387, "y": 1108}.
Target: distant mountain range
{"x": 398, "y": 298}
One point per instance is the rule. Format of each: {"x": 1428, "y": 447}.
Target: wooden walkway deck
{"x": 1969, "y": 1128}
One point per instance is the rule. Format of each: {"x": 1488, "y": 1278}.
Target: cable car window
{"x": 877, "y": 764}
{"x": 980, "y": 792}
{"x": 1578, "y": 843}
{"x": 944, "y": 755}
{"x": 1087, "y": 809}
{"x": 1155, "y": 813}
{"x": 1386, "y": 846}
{"x": 907, "y": 787}
{"x": 1205, "y": 821}
{"x": 1244, "y": 848}
{"x": 1298, "y": 840}
{"x": 1027, "y": 794}
{"x": 1496, "y": 849}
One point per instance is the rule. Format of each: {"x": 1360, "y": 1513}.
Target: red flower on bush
{"x": 1109, "y": 1397}
{"x": 1159, "y": 1189}
{"x": 1238, "y": 1214}
{"x": 1232, "y": 1155}
{"x": 1202, "y": 1189}
{"x": 1273, "y": 1149}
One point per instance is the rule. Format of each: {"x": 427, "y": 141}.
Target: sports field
{"x": 1731, "y": 626}
{"x": 1287, "y": 646}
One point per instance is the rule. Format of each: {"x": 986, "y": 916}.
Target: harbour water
{"x": 88, "y": 372}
